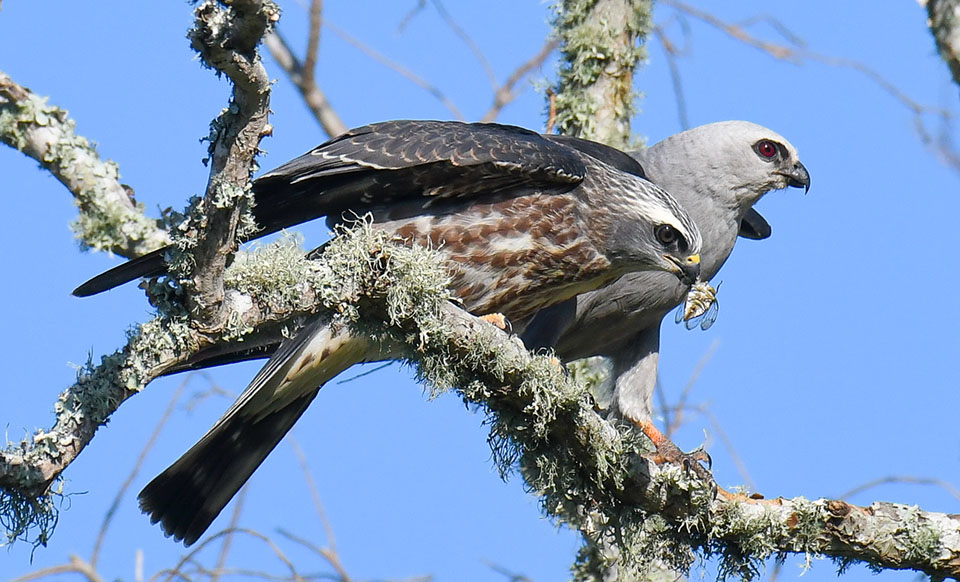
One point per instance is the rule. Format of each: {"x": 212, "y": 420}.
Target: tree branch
{"x": 110, "y": 219}
{"x": 505, "y": 94}
{"x": 598, "y": 44}
{"x": 226, "y": 37}
{"x": 313, "y": 96}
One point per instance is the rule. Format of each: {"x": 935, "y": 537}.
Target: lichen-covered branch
{"x": 944, "y": 22}
{"x": 600, "y": 48}
{"x": 110, "y": 219}
{"x": 590, "y": 474}
{"x": 226, "y": 37}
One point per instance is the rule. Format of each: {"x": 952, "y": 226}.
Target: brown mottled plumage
{"x": 523, "y": 220}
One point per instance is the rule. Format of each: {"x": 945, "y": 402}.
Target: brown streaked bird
{"x": 526, "y": 221}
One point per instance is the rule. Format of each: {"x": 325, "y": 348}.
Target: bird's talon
{"x": 496, "y": 319}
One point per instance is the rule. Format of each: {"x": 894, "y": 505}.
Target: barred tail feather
{"x": 188, "y": 496}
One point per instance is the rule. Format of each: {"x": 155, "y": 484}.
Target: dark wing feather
{"x": 754, "y": 226}
{"x": 149, "y": 265}
{"x": 401, "y": 161}
{"x": 394, "y": 162}
{"x": 607, "y": 154}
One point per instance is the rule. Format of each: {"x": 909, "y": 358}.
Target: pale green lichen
{"x": 601, "y": 45}
{"x": 103, "y": 223}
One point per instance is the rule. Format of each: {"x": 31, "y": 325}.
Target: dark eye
{"x": 766, "y": 148}
{"x": 666, "y": 234}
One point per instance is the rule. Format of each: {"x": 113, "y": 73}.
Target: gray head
{"x": 728, "y": 158}
{"x": 641, "y": 225}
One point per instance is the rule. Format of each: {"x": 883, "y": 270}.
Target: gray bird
{"x": 718, "y": 172}
{"x": 523, "y": 220}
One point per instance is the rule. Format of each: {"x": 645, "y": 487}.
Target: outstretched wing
{"x": 395, "y": 162}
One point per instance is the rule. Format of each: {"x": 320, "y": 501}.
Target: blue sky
{"x": 836, "y": 344}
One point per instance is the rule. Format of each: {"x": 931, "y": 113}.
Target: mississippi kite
{"x": 718, "y": 172}
{"x": 525, "y": 221}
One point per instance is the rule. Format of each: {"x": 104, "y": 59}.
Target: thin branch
{"x": 226, "y": 38}
{"x": 108, "y": 518}
{"x": 670, "y": 51}
{"x": 487, "y": 68}
{"x": 945, "y": 485}
{"x": 551, "y": 110}
{"x": 798, "y": 55}
{"x": 395, "y": 66}
{"x": 328, "y": 554}
{"x": 313, "y": 42}
{"x": 314, "y": 97}
{"x": 76, "y": 565}
{"x": 685, "y": 393}
{"x": 189, "y": 556}
{"x": 238, "y": 505}
{"x": 110, "y": 219}
{"x": 505, "y": 94}
{"x": 314, "y": 492}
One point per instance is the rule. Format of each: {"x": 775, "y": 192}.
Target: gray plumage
{"x": 523, "y": 220}
{"x": 718, "y": 172}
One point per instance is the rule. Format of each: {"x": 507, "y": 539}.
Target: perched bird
{"x": 525, "y": 221}
{"x": 717, "y": 172}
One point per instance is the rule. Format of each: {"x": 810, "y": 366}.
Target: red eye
{"x": 766, "y": 148}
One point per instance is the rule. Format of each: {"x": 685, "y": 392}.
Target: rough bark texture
{"x": 227, "y": 39}
{"x": 944, "y": 22}
{"x": 600, "y": 50}
{"x": 109, "y": 219}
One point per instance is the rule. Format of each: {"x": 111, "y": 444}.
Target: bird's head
{"x": 656, "y": 233}
{"x": 738, "y": 161}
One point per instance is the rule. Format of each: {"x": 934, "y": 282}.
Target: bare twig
{"x": 395, "y": 66}
{"x": 328, "y": 554}
{"x": 314, "y": 492}
{"x": 551, "y": 110}
{"x": 505, "y": 93}
{"x": 108, "y": 518}
{"x": 313, "y": 42}
{"x": 176, "y": 571}
{"x": 466, "y": 38}
{"x": 314, "y": 97}
{"x": 220, "y": 568}
{"x": 798, "y": 54}
{"x": 685, "y": 393}
{"x": 510, "y": 575}
{"x": 945, "y": 485}
{"x": 670, "y": 51}
{"x": 76, "y": 565}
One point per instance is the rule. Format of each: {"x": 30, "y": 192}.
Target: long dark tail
{"x": 149, "y": 265}
{"x": 189, "y": 495}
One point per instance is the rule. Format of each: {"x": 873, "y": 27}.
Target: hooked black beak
{"x": 798, "y": 177}
{"x": 688, "y": 270}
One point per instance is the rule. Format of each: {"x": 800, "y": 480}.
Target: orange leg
{"x": 496, "y": 319}
{"x": 667, "y": 452}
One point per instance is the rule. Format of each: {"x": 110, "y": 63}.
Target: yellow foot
{"x": 496, "y": 319}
